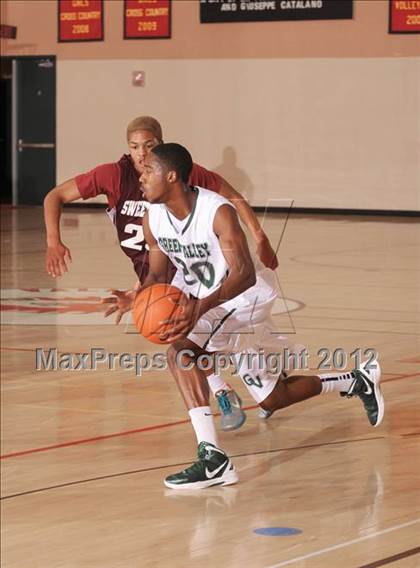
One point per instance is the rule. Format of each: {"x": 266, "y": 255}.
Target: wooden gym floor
{"x": 84, "y": 452}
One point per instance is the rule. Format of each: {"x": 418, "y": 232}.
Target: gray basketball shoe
{"x": 233, "y": 417}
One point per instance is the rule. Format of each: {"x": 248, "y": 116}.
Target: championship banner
{"x": 404, "y": 16}
{"x": 80, "y": 20}
{"x": 147, "y": 19}
{"x": 8, "y": 32}
{"x": 216, "y": 11}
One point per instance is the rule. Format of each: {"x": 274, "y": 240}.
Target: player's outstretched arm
{"x": 264, "y": 249}
{"x": 57, "y": 254}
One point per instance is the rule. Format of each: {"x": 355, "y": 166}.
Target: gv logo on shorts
{"x": 252, "y": 381}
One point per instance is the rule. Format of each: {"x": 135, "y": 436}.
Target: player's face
{"x": 139, "y": 144}
{"x": 153, "y": 179}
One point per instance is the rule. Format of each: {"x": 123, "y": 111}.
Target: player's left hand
{"x": 266, "y": 253}
{"x": 185, "y": 319}
{"x": 121, "y": 302}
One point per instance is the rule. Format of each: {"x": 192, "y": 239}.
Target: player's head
{"x": 165, "y": 166}
{"x": 143, "y": 134}
{"x": 175, "y": 158}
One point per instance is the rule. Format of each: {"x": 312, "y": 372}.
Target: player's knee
{"x": 275, "y": 401}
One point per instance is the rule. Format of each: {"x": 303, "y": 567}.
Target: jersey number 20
{"x": 204, "y": 271}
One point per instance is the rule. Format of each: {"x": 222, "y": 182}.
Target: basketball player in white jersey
{"x": 227, "y": 310}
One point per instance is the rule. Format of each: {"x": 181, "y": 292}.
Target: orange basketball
{"x": 153, "y": 305}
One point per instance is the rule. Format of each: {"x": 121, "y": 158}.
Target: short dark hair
{"x": 175, "y": 157}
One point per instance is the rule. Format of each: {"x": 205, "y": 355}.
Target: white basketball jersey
{"x": 191, "y": 243}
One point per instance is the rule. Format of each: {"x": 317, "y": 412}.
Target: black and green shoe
{"x": 366, "y": 387}
{"x": 213, "y": 467}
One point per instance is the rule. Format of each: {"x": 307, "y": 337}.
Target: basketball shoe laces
{"x": 357, "y": 388}
{"x": 197, "y": 469}
{"x": 224, "y": 402}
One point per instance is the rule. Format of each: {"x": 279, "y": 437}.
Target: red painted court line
{"x": 139, "y": 430}
{"x": 410, "y": 360}
{"x": 15, "y": 349}
{"x": 90, "y": 440}
{"x": 399, "y": 377}
{"x": 100, "y": 438}
{"x": 33, "y": 350}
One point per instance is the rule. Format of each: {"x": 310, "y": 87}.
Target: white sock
{"x": 336, "y": 382}
{"x": 203, "y": 424}
{"x": 216, "y": 383}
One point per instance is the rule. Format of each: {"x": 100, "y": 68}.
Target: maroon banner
{"x": 147, "y": 19}
{"x": 80, "y": 20}
{"x": 404, "y": 16}
{"x": 8, "y": 32}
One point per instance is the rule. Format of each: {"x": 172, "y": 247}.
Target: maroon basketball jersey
{"x": 119, "y": 181}
{"x": 129, "y": 213}
{"x": 132, "y": 206}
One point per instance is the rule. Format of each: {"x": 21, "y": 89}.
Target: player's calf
{"x": 290, "y": 391}
{"x": 264, "y": 414}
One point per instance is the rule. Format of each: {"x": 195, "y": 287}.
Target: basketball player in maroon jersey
{"x": 119, "y": 181}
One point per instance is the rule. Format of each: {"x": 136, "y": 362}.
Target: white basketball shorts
{"x": 243, "y": 326}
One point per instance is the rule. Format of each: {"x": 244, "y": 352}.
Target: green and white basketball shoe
{"x": 366, "y": 386}
{"x": 213, "y": 467}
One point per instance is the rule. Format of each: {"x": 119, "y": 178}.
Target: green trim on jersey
{"x": 195, "y": 189}
{"x": 188, "y": 223}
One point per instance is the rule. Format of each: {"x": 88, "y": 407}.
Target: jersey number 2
{"x": 135, "y": 242}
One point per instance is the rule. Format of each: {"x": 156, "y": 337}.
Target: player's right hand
{"x": 56, "y": 260}
{"x": 121, "y": 302}
{"x": 267, "y": 254}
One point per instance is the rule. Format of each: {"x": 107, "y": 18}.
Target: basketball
{"x": 153, "y": 305}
